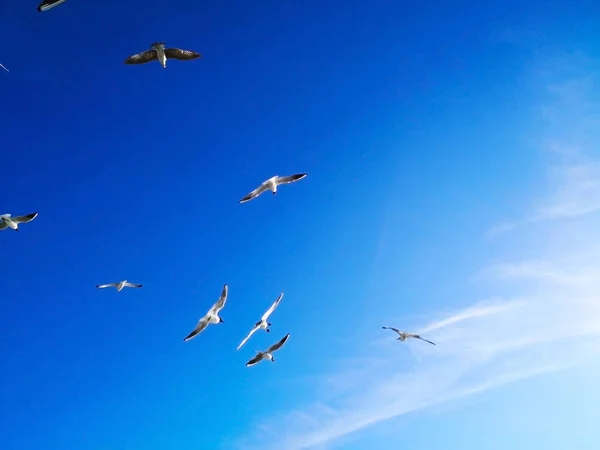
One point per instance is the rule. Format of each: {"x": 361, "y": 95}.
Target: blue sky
{"x": 453, "y": 190}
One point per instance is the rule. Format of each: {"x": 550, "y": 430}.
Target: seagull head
{"x": 158, "y": 45}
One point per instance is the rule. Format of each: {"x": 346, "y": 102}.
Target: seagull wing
{"x": 416, "y": 336}
{"x": 247, "y": 337}
{"x": 272, "y": 308}
{"x": 177, "y": 53}
{"x": 221, "y": 302}
{"x": 3, "y": 225}
{"x": 258, "y": 358}
{"x": 277, "y": 346}
{"x": 133, "y": 285}
{"x": 393, "y": 329}
{"x": 142, "y": 58}
{"x": 102, "y": 286}
{"x": 202, "y": 324}
{"x": 48, "y": 4}
{"x": 255, "y": 193}
{"x": 291, "y": 178}
{"x": 4, "y": 68}
{"x": 26, "y": 218}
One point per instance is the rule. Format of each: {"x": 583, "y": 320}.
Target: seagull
{"x": 4, "y": 68}
{"x": 269, "y": 353}
{"x": 262, "y": 323}
{"x": 49, "y": 4}
{"x": 7, "y": 221}
{"x": 120, "y": 285}
{"x": 402, "y": 336}
{"x": 159, "y": 52}
{"x": 212, "y": 316}
{"x": 271, "y": 185}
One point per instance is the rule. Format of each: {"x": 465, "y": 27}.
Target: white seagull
{"x": 271, "y": 185}
{"x": 120, "y": 285}
{"x": 262, "y": 323}
{"x": 7, "y": 221}
{"x": 269, "y": 353}
{"x": 4, "y": 68}
{"x": 212, "y": 316}
{"x": 49, "y": 4}
{"x": 159, "y": 52}
{"x": 402, "y": 335}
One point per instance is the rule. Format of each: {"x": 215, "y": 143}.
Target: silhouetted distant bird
{"x": 120, "y": 285}
{"x": 49, "y": 4}
{"x": 212, "y": 316}
{"x": 269, "y": 353}
{"x": 262, "y": 323}
{"x": 402, "y": 336}
{"x": 271, "y": 185}
{"x": 7, "y": 221}
{"x": 159, "y": 52}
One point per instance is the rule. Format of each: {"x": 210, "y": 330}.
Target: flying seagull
{"x": 4, "y": 68}
{"x": 49, "y": 4}
{"x": 271, "y": 185}
{"x": 262, "y": 323}
{"x": 212, "y": 316}
{"x": 120, "y": 285}
{"x": 7, "y": 221}
{"x": 402, "y": 336}
{"x": 159, "y": 52}
{"x": 269, "y": 353}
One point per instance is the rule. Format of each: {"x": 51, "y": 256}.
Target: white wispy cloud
{"x": 544, "y": 317}
{"x": 481, "y": 347}
{"x": 572, "y": 117}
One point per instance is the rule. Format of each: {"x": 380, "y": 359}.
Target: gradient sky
{"x": 454, "y": 189}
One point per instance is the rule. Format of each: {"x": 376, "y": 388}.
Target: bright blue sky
{"x": 420, "y": 125}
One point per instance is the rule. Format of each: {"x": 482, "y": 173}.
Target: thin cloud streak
{"x": 481, "y": 347}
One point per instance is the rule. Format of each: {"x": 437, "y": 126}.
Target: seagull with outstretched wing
{"x": 271, "y": 185}
{"x": 262, "y": 323}
{"x": 158, "y": 52}
{"x": 269, "y": 353}
{"x": 212, "y": 316}
{"x": 8, "y": 221}
{"x": 120, "y": 285}
{"x": 402, "y": 335}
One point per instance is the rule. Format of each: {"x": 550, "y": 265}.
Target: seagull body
{"x": 49, "y": 4}
{"x": 212, "y": 316}
{"x": 271, "y": 185}
{"x": 269, "y": 353}
{"x": 159, "y": 52}
{"x": 262, "y": 324}
{"x": 120, "y": 285}
{"x": 402, "y": 335}
{"x": 7, "y": 221}
{"x": 4, "y": 68}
